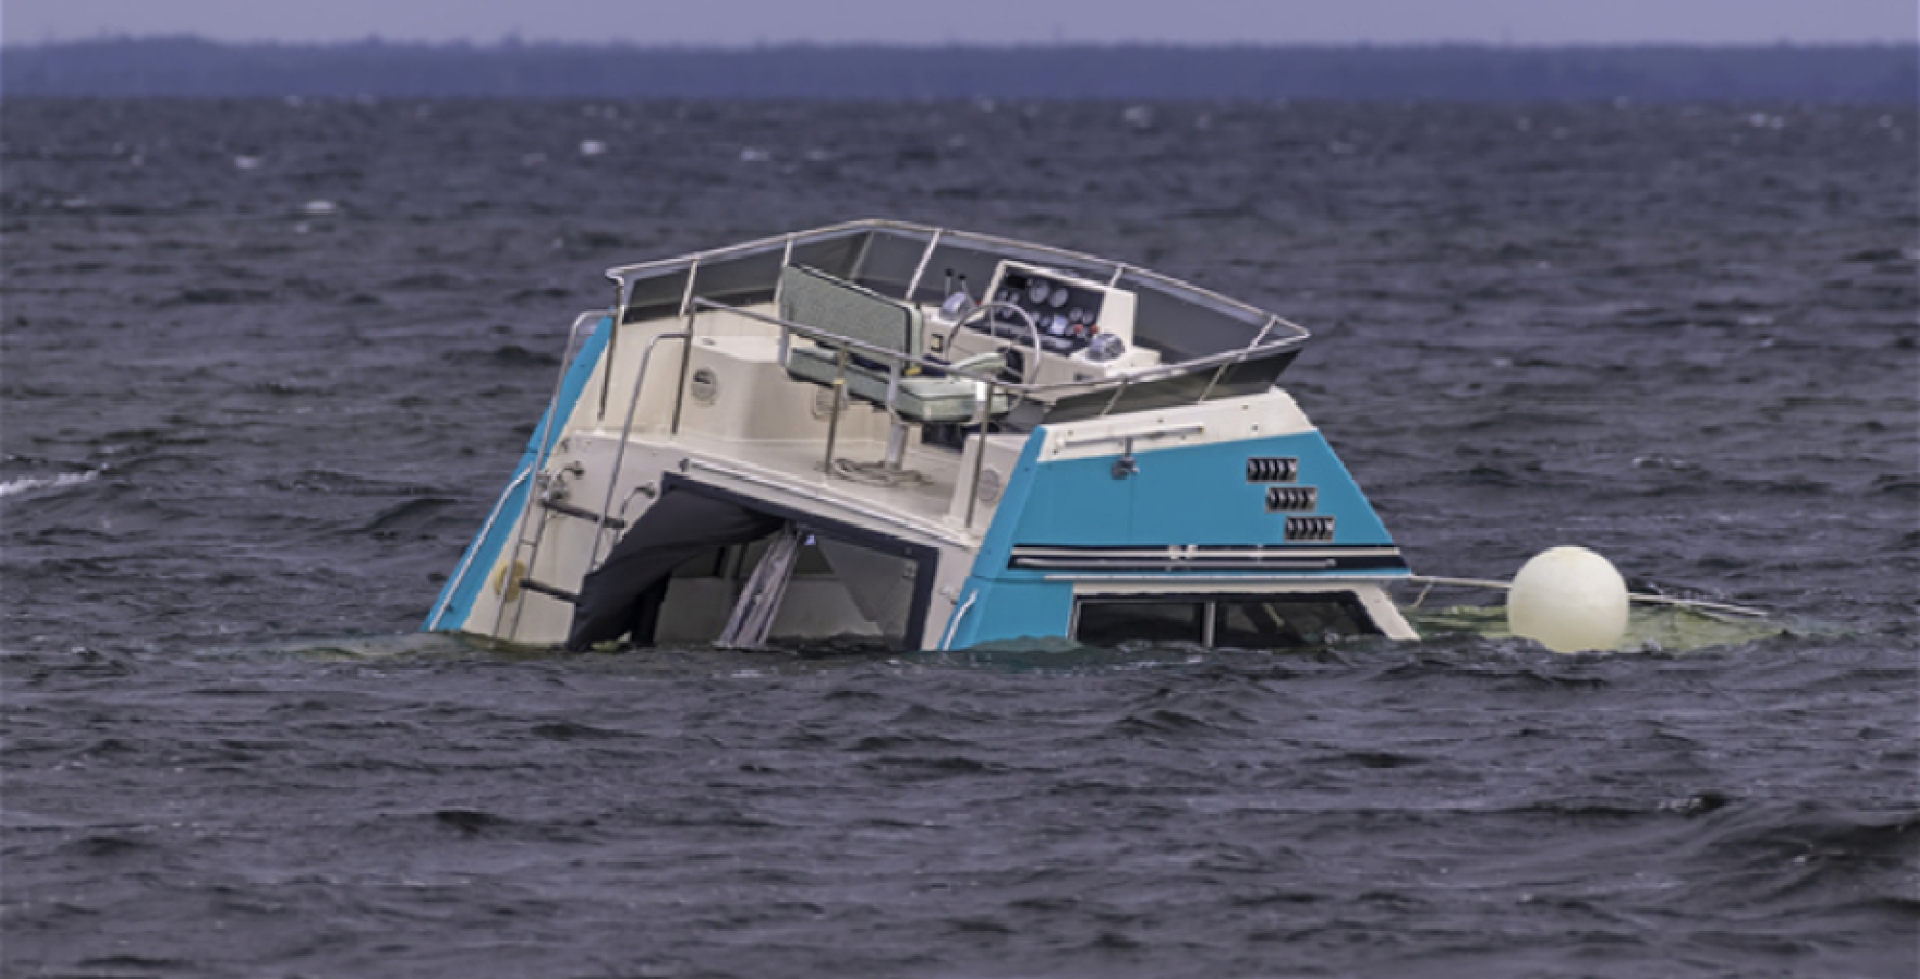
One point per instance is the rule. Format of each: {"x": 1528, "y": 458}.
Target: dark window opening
{"x": 1109, "y": 623}
{"x": 1289, "y": 621}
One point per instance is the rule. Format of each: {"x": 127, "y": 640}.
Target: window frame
{"x": 1211, "y": 602}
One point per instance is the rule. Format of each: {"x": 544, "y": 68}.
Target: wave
{"x": 29, "y": 484}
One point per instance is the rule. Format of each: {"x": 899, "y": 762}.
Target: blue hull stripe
{"x": 456, "y": 599}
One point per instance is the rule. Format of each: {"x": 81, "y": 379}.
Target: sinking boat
{"x": 890, "y": 434}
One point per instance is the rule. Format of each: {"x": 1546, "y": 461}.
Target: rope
{"x": 877, "y": 473}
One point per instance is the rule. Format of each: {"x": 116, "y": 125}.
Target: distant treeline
{"x": 1451, "y": 72}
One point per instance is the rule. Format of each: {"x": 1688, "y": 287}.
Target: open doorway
{"x": 821, "y": 582}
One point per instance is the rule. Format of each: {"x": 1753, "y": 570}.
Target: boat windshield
{"x": 920, "y": 264}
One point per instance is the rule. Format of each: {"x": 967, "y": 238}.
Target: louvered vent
{"x": 1292, "y": 499}
{"x": 1309, "y": 528}
{"x": 1272, "y": 469}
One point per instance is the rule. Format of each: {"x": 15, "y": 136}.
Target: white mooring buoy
{"x": 1569, "y": 599}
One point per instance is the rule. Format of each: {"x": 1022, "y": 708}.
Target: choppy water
{"x": 266, "y": 365}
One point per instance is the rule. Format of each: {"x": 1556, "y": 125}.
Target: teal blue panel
{"x": 1013, "y": 609}
{"x": 455, "y": 603}
{"x": 1189, "y": 495}
{"x": 1181, "y": 495}
{"x": 1003, "y": 608}
{"x": 1014, "y": 500}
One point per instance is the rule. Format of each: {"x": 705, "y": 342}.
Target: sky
{"x": 747, "y": 22}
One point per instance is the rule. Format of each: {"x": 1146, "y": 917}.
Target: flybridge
{"x": 1168, "y": 329}
{"x": 923, "y": 438}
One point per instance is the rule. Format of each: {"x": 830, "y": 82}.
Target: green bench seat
{"x": 813, "y": 298}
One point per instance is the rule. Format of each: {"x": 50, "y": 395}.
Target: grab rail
{"x": 1053, "y": 391}
{"x": 549, "y": 424}
{"x": 626, "y": 431}
{"x": 898, "y": 360}
{"x": 1248, "y": 313}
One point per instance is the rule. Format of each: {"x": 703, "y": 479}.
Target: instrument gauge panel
{"x": 1066, "y": 312}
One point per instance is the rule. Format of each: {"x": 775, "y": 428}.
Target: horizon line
{"x": 513, "y": 42}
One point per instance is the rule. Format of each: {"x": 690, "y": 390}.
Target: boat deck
{"x": 926, "y": 503}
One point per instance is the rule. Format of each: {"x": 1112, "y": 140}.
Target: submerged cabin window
{"x": 1268, "y": 622}
{"x": 1110, "y": 622}
{"x": 1290, "y": 620}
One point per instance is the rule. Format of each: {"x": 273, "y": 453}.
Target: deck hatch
{"x": 1272, "y": 469}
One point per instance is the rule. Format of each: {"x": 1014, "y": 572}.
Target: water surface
{"x": 266, "y": 365}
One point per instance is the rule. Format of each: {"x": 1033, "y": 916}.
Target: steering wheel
{"x": 1029, "y": 365}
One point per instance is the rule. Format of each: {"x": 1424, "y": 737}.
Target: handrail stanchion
{"x": 920, "y": 270}
{"x": 897, "y": 430}
{"x": 779, "y": 288}
{"x": 1117, "y": 392}
{"x": 620, "y": 452}
{"x": 839, "y": 390}
{"x": 686, "y": 351}
{"x": 1229, "y": 365}
{"x": 617, "y": 313}
{"x": 983, "y": 395}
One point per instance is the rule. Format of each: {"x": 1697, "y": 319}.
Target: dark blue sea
{"x": 267, "y": 363}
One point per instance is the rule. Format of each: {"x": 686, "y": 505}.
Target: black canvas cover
{"x": 623, "y": 596}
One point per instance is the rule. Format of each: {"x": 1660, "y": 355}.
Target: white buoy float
{"x": 1568, "y": 599}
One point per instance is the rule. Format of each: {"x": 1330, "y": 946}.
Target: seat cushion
{"x": 813, "y": 298}
{"x": 921, "y": 399}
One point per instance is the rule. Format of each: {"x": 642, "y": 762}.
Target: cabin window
{"x": 1110, "y": 622}
{"x": 1287, "y": 621}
